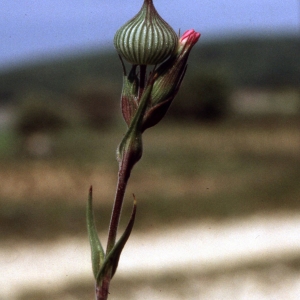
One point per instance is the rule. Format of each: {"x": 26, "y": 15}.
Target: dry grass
{"x": 42, "y": 180}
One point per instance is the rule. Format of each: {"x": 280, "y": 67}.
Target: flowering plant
{"x": 144, "y": 40}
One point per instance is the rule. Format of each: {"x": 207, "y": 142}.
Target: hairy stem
{"x": 103, "y": 290}
{"x": 123, "y": 176}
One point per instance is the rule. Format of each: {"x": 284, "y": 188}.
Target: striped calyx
{"x": 146, "y": 39}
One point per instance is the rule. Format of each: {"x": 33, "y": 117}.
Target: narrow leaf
{"x": 97, "y": 252}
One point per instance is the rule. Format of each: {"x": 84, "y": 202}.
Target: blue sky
{"x": 34, "y": 29}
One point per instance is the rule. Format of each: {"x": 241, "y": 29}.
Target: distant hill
{"x": 246, "y": 62}
{"x": 254, "y": 61}
{"x": 62, "y": 75}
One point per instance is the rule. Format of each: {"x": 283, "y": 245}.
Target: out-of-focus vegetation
{"x": 188, "y": 172}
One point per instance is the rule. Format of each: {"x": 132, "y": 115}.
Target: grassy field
{"x": 189, "y": 172}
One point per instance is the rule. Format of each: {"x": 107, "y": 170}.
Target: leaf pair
{"x": 105, "y": 264}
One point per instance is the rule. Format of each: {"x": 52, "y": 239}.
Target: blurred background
{"x": 218, "y": 185}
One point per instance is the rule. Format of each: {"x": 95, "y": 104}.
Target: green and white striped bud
{"x": 146, "y": 39}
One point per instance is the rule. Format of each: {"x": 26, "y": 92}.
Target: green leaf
{"x": 111, "y": 261}
{"x": 97, "y": 251}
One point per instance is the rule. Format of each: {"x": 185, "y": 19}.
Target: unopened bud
{"x": 168, "y": 78}
{"x": 171, "y": 72}
{"x": 146, "y": 39}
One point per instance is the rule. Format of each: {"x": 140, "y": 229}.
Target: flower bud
{"x": 129, "y": 95}
{"x": 146, "y": 39}
{"x": 171, "y": 72}
{"x": 168, "y": 78}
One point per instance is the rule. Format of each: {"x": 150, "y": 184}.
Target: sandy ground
{"x": 202, "y": 248}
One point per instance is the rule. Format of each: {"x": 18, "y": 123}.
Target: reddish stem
{"x": 123, "y": 176}
{"x": 103, "y": 291}
{"x": 125, "y": 168}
